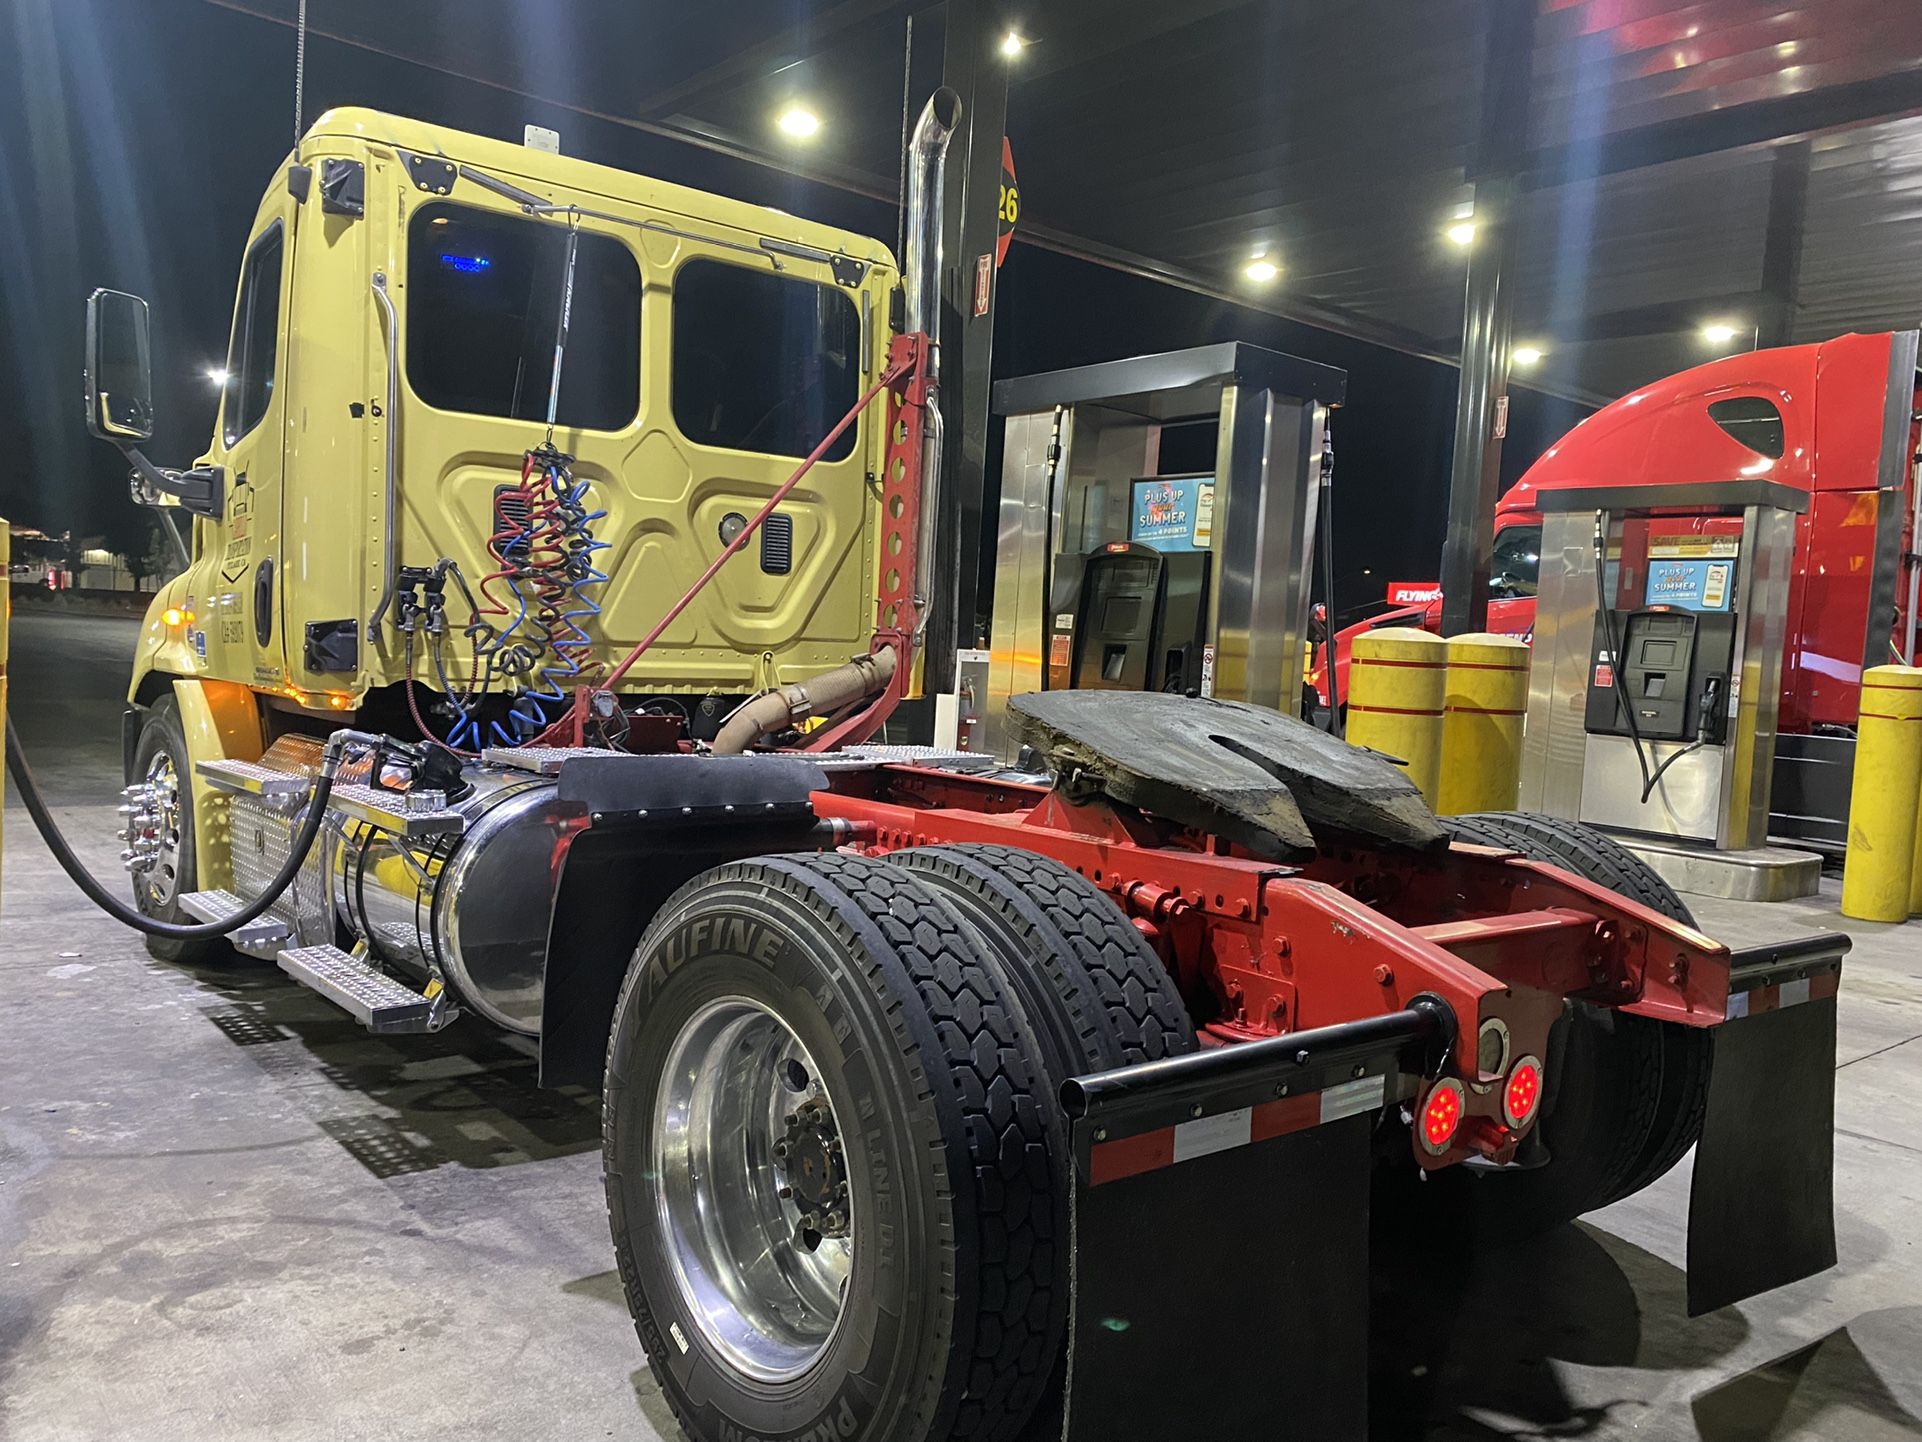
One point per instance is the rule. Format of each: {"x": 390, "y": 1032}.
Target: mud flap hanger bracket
{"x": 1278, "y": 1133}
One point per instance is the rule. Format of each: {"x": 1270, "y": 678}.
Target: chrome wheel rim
{"x": 153, "y": 833}
{"x": 751, "y": 1189}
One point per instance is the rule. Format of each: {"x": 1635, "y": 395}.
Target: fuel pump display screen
{"x": 1691, "y": 572}
{"x": 1174, "y": 513}
{"x": 1691, "y": 585}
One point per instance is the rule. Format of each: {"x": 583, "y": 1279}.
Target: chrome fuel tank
{"x": 477, "y": 904}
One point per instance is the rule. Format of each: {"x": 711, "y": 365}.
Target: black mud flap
{"x": 1220, "y": 1209}
{"x": 1762, "y": 1203}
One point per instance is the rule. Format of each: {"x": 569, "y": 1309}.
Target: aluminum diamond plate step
{"x": 252, "y": 779}
{"x": 261, "y": 937}
{"x": 376, "y": 1000}
{"x": 540, "y": 760}
{"x": 419, "y": 813}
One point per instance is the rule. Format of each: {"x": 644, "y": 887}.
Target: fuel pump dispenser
{"x": 1657, "y": 676}
{"x": 1115, "y": 571}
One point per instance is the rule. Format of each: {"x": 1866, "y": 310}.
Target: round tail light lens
{"x": 1523, "y": 1092}
{"x": 1441, "y": 1115}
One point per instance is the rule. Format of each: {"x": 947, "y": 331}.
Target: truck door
{"x": 237, "y": 629}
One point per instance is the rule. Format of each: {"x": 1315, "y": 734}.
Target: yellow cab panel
{"x": 700, "y": 367}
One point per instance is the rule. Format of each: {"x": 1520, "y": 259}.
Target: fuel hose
{"x": 36, "y": 804}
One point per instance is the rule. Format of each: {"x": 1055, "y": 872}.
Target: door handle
{"x": 264, "y": 601}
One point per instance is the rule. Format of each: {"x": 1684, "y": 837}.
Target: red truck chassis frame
{"x": 1367, "y": 989}
{"x": 1260, "y": 950}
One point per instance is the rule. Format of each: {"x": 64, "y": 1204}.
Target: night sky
{"x": 136, "y": 138}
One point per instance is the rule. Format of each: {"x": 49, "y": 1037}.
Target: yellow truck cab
{"x": 393, "y": 346}
{"x": 711, "y": 343}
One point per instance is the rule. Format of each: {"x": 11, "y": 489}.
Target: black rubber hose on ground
{"x": 119, "y": 910}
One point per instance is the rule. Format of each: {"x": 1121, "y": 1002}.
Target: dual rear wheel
{"x": 835, "y": 1165}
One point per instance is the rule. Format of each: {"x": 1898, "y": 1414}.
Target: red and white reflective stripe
{"x": 1151, "y": 1151}
{"x": 1788, "y": 993}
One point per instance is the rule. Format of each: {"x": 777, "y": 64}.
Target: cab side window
{"x": 252, "y": 354}
{"x": 1516, "y": 567}
{"x": 762, "y": 362}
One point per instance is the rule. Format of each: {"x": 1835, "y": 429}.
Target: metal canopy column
{"x": 1487, "y": 328}
{"x": 1782, "y": 247}
{"x": 973, "y": 66}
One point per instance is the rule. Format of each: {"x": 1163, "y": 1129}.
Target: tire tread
{"x": 1114, "y": 994}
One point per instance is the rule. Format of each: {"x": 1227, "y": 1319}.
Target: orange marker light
{"x": 1441, "y": 1115}
{"x": 173, "y": 615}
{"x": 1523, "y": 1093}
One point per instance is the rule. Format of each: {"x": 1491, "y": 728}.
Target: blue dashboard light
{"x": 466, "y": 264}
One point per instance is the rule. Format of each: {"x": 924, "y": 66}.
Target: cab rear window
{"x": 483, "y": 305}
{"x": 763, "y": 362}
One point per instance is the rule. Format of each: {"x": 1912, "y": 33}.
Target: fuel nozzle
{"x": 1708, "y": 718}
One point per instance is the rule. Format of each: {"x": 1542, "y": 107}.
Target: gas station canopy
{"x": 1691, "y": 177}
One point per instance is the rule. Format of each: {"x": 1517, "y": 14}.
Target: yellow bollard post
{"x": 1879, "y": 871}
{"x": 1481, "y": 755}
{"x": 1397, "y": 685}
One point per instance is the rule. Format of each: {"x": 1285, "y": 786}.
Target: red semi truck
{"x": 1837, "y": 420}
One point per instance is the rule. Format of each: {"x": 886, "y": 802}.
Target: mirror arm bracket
{"x": 201, "y": 490}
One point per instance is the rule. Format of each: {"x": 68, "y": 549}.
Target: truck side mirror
{"x": 119, "y": 368}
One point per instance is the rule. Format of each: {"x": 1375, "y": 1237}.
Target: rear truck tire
{"x": 1094, "y": 989}
{"x": 920, "y": 1152}
{"x": 161, "y": 759}
{"x": 1625, "y": 1094}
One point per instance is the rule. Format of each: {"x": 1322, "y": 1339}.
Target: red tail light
{"x": 1441, "y": 1115}
{"x": 1523, "y": 1092}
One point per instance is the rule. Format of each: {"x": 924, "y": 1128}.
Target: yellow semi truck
{"x": 392, "y": 354}
{"x": 564, "y": 537}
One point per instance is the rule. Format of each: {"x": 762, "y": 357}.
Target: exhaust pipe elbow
{"x": 786, "y": 706}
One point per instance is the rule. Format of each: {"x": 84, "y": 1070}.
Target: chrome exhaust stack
{"x": 927, "y": 196}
